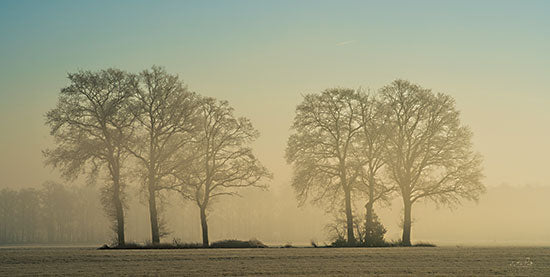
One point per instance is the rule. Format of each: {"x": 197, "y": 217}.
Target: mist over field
{"x": 354, "y": 137}
{"x": 269, "y": 217}
{"x": 273, "y": 219}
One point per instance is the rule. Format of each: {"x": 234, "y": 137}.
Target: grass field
{"x": 439, "y": 261}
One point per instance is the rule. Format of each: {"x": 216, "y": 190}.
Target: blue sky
{"x": 492, "y": 56}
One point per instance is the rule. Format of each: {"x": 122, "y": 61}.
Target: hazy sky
{"x": 493, "y": 57}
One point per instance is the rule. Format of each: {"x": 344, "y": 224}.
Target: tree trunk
{"x": 349, "y": 217}
{"x": 155, "y": 237}
{"x": 120, "y": 222}
{"x": 151, "y": 185}
{"x": 368, "y": 220}
{"x": 369, "y": 210}
{"x": 119, "y": 210}
{"x": 407, "y": 205}
{"x": 204, "y": 226}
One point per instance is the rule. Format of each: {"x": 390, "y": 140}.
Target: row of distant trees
{"x": 150, "y": 130}
{"x": 53, "y": 213}
{"x": 352, "y": 145}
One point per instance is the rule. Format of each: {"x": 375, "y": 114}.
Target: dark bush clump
{"x": 232, "y": 243}
{"x": 134, "y": 245}
{"x": 374, "y": 233}
{"x": 341, "y": 242}
{"x": 424, "y": 244}
{"x": 367, "y": 236}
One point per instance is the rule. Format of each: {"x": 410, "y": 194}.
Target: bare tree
{"x": 221, "y": 161}
{"x": 90, "y": 125}
{"x": 374, "y": 135}
{"x": 164, "y": 110}
{"x": 429, "y": 152}
{"x": 323, "y": 149}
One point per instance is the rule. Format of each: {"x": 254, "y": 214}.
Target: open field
{"x": 454, "y": 261}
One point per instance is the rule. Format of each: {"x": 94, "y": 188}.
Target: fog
{"x": 263, "y": 59}
{"x": 275, "y": 219}
{"x": 506, "y": 214}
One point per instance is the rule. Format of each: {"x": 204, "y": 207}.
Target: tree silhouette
{"x": 91, "y": 126}
{"x": 164, "y": 110}
{"x": 374, "y": 135}
{"x": 429, "y": 153}
{"x": 323, "y": 149}
{"x": 221, "y": 161}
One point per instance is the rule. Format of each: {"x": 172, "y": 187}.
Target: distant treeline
{"x": 52, "y": 214}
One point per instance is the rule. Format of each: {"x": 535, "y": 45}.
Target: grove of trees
{"x": 349, "y": 145}
{"x": 117, "y": 127}
{"x": 349, "y": 149}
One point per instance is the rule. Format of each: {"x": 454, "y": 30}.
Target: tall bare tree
{"x": 323, "y": 149}
{"x": 221, "y": 161}
{"x": 374, "y": 135}
{"x": 430, "y": 152}
{"x": 164, "y": 110}
{"x": 91, "y": 125}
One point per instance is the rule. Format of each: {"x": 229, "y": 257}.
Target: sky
{"x": 493, "y": 57}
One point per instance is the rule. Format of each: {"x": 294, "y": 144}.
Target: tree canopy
{"x": 221, "y": 161}
{"x": 429, "y": 154}
{"x": 91, "y": 125}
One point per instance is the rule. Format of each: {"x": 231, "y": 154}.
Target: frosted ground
{"x": 458, "y": 261}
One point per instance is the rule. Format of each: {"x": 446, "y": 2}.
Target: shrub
{"x": 394, "y": 243}
{"x": 134, "y": 245}
{"x": 370, "y": 236}
{"x": 374, "y": 234}
{"x": 339, "y": 242}
{"x": 238, "y": 244}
